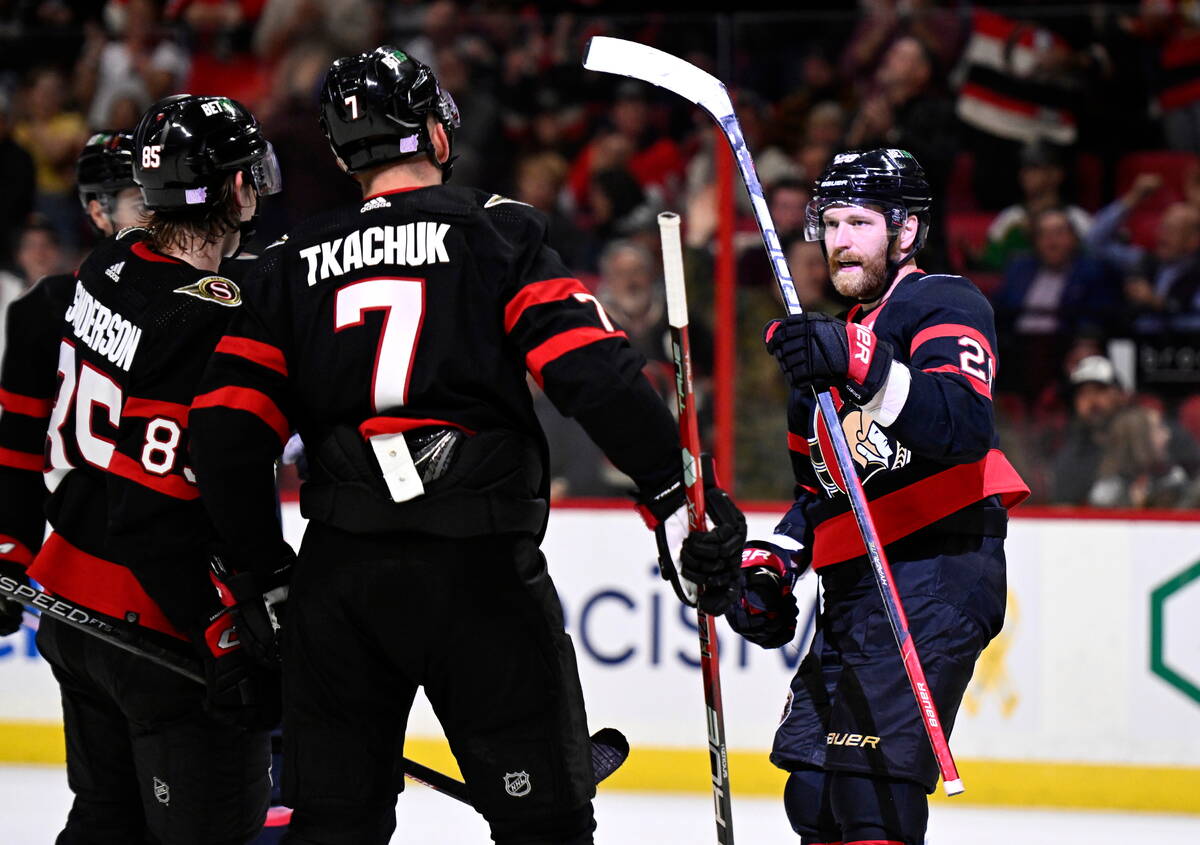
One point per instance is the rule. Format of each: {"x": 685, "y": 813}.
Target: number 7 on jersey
{"x": 402, "y": 302}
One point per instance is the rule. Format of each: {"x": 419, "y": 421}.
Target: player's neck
{"x": 400, "y": 177}
{"x": 205, "y": 256}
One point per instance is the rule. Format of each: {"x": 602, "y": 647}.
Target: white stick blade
{"x": 640, "y": 61}
{"x": 672, "y": 250}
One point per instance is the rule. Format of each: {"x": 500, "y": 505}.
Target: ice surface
{"x": 34, "y": 802}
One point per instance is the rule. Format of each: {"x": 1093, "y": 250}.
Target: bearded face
{"x": 856, "y": 241}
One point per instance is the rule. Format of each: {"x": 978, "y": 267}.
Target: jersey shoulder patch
{"x": 216, "y": 289}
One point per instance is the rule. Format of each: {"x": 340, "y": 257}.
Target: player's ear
{"x": 96, "y": 212}
{"x": 908, "y": 234}
{"x": 441, "y": 141}
{"x": 242, "y": 191}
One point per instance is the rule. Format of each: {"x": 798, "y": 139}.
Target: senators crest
{"x": 870, "y": 447}
{"x": 216, "y": 289}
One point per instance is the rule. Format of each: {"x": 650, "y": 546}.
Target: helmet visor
{"x": 265, "y": 173}
{"x": 814, "y": 214}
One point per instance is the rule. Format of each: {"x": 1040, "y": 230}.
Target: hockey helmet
{"x": 185, "y": 147}
{"x": 104, "y": 168}
{"x": 888, "y": 181}
{"x": 374, "y": 107}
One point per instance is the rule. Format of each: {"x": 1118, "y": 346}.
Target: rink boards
{"x": 1089, "y": 698}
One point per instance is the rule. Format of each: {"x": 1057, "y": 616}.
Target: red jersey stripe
{"x": 921, "y": 503}
{"x": 559, "y": 345}
{"x": 538, "y": 293}
{"x": 948, "y": 330}
{"x": 14, "y": 551}
{"x": 21, "y": 460}
{"x": 981, "y": 387}
{"x": 252, "y": 401}
{"x": 135, "y": 407}
{"x": 29, "y": 406}
{"x": 147, "y": 254}
{"x": 393, "y": 425}
{"x": 97, "y": 584}
{"x": 174, "y": 486}
{"x": 797, "y": 443}
{"x": 263, "y": 354}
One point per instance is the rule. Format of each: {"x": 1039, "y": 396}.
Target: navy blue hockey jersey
{"x": 939, "y": 455}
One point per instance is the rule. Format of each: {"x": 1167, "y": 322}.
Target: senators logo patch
{"x": 870, "y": 447}
{"x": 216, "y": 289}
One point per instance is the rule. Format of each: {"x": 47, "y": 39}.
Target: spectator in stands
{"x": 1059, "y": 287}
{"x": 1137, "y": 468}
{"x": 540, "y": 180}
{"x": 631, "y": 295}
{"x": 810, "y": 275}
{"x": 137, "y": 63}
{"x": 220, "y": 38}
{"x": 1041, "y": 178}
{"x": 1162, "y": 284}
{"x": 787, "y": 202}
{"x": 348, "y": 26}
{"x": 1096, "y": 397}
{"x": 38, "y": 251}
{"x": 17, "y": 177}
{"x": 53, "y": 135}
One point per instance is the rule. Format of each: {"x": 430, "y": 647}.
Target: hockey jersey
{"x": 130, "y": 537}
{"x": 417, "y": 308}
{"x": 27, "y": 386}
{"x": 938, "y": 458}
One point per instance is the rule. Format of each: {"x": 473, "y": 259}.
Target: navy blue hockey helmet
{"x": 185, "y": 147}
{"x": 104, "y": 168}
{"x": 888, "y": 181}
{"x": 374, "y": 108}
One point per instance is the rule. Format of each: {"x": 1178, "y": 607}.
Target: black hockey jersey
{"x": 418, "y": 308}
{"x": 938, "y": 456}
{"x": 130, "y": 537}
{"x": 27, "y": 385}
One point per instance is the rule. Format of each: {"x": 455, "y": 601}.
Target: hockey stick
{"x": 693, "y": 480}
{"x": 609, "y": 746}
{"x": 639, "y": 61}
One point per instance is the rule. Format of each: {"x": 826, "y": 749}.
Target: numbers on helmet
{"x": 352, "y": 102}
{"x": 151, "y": 156}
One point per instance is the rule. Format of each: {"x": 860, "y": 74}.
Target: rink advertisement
{"x": 1089, "y": 697}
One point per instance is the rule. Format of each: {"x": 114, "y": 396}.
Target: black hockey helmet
{"x": 888, "y": 181}
{"x": 185, "y": 147}
{"x": 104, "y": 168}
{"x": 374, "y": 107}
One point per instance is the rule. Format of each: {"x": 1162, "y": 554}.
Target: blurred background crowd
{"x": 1062, "y": 141}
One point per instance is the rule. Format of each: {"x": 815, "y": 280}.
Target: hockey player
{"x": 911, "y": 368}
{"x": 152, "y": 756}
{"x": 395, "y": 336}
{"x": 112, "y": 201}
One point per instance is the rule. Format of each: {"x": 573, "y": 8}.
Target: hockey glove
{"x": 256, "y": 602}
{"x": 819, "y": 351}
{"x": 711, "y": 558}
{"x": 706, "y": 559}
{"x": 238, "y": 692}
{"x": 11, "y": 612}
{"x": 765, "y": 612}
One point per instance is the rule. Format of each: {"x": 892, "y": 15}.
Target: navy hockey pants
{"x": 851, "y": 710}
{"x": 476, "y": 623}
{"x": 146, "y": 764}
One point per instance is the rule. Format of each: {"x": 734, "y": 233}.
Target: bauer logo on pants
{"x": 517, "y": 784}
{"x": 162, "y": 791}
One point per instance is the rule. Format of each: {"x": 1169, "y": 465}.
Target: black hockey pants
{"x": 478, "y": 625}
{"x": 146, "y": 764}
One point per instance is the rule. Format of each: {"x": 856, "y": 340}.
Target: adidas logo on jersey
{"x": 409, "y": 245}
{"x": 378, "y": 202}
{"x": 114, "y": 272}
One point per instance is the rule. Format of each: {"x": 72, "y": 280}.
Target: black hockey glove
{"x": 765, "y": 612}
{"x": 819, "y": 351}
{"x": 238, "y": 691}
{"x": 711, "y": 559}
{"x": 706, "y": 559}
{"x": 11, "y": 611}
{"x": 256, "y": 602}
